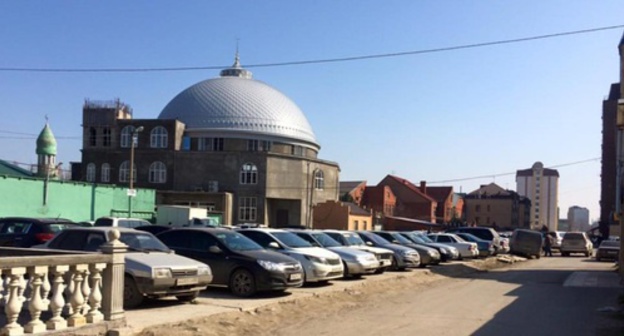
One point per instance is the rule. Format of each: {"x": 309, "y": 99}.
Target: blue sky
{"x": 435, "y": 117}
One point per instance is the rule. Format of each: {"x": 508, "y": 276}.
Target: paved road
{"x": 550, "y": 296}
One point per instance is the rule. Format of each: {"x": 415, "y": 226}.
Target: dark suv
{"x": 485, "y": 233}
{"x": 27, "y": 231}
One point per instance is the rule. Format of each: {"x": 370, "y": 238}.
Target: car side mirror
{"x": 274, "y": 245}
{"x": 215, "y": 249}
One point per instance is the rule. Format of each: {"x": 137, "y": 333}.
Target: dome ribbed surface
{"x": 239, "y": 105}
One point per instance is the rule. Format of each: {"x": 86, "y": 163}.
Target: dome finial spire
{"x": 236, "y": 70}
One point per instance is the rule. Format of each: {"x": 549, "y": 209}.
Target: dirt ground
{"x": 268, "y": 320}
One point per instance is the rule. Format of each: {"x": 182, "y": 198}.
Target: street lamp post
{"x": 131, "y": 191}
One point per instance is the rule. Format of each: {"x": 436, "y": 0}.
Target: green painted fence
{"x": 78, "y": 201}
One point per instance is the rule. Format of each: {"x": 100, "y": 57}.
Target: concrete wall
{"x": 67, "y": 199}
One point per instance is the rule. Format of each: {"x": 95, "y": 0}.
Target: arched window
{"x": 124, "y": 170}
{"x": 91, "y": 172}
{"x": 126, "y": 136}
{"x": 157, "y": 172}
{"x": 106, "y": 172}
{"x": 319, "y": 180}
{"x": 249, "y": 174}
{"x": 158, "y": 137}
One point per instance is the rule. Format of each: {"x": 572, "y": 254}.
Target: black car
{"x": 446, "y": 253}
{"x": 236, "y": 261}
{"x": 27, "y": 231}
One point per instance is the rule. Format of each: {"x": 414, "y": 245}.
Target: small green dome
{"x": 46, "y": 143}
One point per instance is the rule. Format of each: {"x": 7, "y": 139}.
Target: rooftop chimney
{"x": 423, "y": 187}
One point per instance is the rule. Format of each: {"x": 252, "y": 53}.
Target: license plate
{"x": 295, "y": 276}
{"x": 186, "y": 281}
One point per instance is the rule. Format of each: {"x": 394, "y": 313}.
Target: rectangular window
{"x": 297, "y": 150}
{"x": 266, "y": 145}
{"x": 247, "y": 209}
{"x": 210, "y": 144}
{"x": 356, "y": 224}
{"x": 106, "y": 137}
{"x": 477, "y": 208}
{"x": 252, "y": 145}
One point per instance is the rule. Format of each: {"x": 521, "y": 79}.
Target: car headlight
{"x": 204, "y": 270}
{"x": 364, "y": 258}
{"x": 271, "y": 266}
{"x": 443, "y": 250}
{"x": 432, "y": 253}
{"x": 406, "y": 253}
{"x": 317, "y": 259}
{"x": 158, "y": 273}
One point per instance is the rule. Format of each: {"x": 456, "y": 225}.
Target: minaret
{"x": 46, "y": 153}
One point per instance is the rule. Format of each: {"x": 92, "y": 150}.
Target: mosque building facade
{"x": 233, "y": 145}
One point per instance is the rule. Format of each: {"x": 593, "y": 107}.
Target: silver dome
{"x": 239, "y": 105}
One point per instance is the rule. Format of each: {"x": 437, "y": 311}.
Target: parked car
{"x": 356, "y": 262}
{"x": 608, "y": 249}
{"x": 486, "y": 248}
{"x": 404, "y": 257}
{"x": 526, "y": 243}
{"x": 485, "y": 233}
{"x": 236, "y": 261}
{"x": 319, "y": 264}
{"x": 121, "y": 222}
{"x": 353, "y": 240}
{"x": 558, "y": 235}
{"x": 446, "y": 251}
{"x": 152, "y": 269}
{"x": 466, "y": 249}
{"x": 428, "y": 255}
{"x": 28, "y": 231}
{"x": 576, "y": 242}
{"x": 153, "y": 229}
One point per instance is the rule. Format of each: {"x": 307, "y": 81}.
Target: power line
{"x": 320, "y": 61}
{"x": 512, "y": 173}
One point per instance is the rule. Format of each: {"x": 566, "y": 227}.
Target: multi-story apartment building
{"x": 493, "y": 206}
{"x": 578, "y": 218}
{"x": 541, "y": 186}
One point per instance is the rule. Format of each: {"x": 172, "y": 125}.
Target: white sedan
{"x": 466, "y": 249}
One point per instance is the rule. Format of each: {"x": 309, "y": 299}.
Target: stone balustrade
{"x": 49, "y": 290}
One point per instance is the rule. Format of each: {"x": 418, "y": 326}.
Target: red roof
{"x": 409, "y": 186}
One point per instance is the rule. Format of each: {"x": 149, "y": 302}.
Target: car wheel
{"x": 345, "y": 273}
{"x": 188, "y": 297}
{"x": 380, "y": 270}
{"x": 132, "y": 296}
{"x": 242, "y": 283}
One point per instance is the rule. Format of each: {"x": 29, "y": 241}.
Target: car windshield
{"x": 469, "y": 237}
{"x": 377, "y": 239}
{"x": 416, "y": 238}
{"x": 458, "y": 238}
{"x": 58, "y": 227}
{"x": 573, "y": 236}
{"x": 291, "y": 240}
{"x": 353, "y": 239}
{"x": 610, "y": 243}
{"x": 325, "y": 240}
{"x": 399, "y": 237}
{"x": 237, "y": 242}
{"x": 423, "y": 237}
{"x": 142, "y": 242}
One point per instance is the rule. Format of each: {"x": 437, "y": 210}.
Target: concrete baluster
{"x": 36, "y": 305}
{"x": 58, "y": 301}
{"x": 45, "y": 291}
{"x": 95, "y": 299}
{"x": 13, "y": 304}
{"x": 86, "y": 290}
{"x": 113, "y": 277}
{"x": 77, "y": 299}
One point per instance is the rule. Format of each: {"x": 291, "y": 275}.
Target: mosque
{"x": 233, "y": 145}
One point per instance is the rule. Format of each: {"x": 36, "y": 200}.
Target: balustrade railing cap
{"x": 114, "y": 244}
